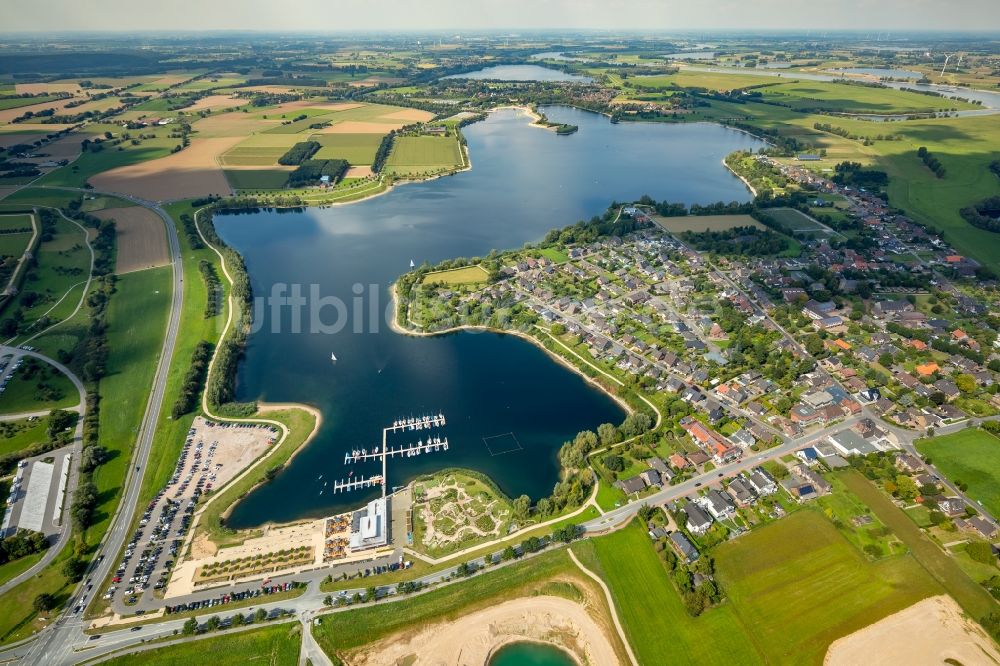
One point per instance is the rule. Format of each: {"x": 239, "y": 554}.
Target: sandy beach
{"x": 473, "y": 638}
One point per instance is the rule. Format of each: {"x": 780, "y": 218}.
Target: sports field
{"x": 796, "y": 222}
{"x": 413, "y": 155}
{"x": 797, "y": 585}
{"x": 271, "y": 645}
{"x": 971, "y": 456}
{"x": 465, "y": 275}
{"x": 706, "y": 222}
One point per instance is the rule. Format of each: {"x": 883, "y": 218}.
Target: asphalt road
{"x": 52, "y": 645}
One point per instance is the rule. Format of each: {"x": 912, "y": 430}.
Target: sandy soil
{"x": 358, "y": 172}
{"x": 473, "y": 638}
{"x": 142, "y": 242}
{"x": 412, "y": 115}
{"x": 192, "y": 172}
{"x": 927, "y": 632}
{"x": 360, "y": 127}
{"x": 216, "y": 102}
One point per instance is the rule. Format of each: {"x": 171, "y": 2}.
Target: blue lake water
{"x": 520, "y": 73}
{"x": 524, "y": 181}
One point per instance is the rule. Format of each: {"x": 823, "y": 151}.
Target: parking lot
{"x": 212, "y": 454}
{"x": 38, "y": 493}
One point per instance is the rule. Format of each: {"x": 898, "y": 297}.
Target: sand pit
{"x": 358, "y": 172}
{"x": 142, "y": 242}
{"x": 360, "y": 127}
{"x": 192, "y": 172}
{"x": 473, "y": 638}
{"x": 928, "y": 632}
{"x": 411, "y": 115}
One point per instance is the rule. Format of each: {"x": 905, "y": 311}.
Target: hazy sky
{"x": 336, "y": 15}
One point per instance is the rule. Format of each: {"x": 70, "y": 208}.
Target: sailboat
{"x": 333, "y": 357}
{"x": 412, "y": 265}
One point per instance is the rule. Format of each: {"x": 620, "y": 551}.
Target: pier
{"x": 430, "y": 443}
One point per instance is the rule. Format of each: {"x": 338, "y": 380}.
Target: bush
{"x": 299, "y": 153}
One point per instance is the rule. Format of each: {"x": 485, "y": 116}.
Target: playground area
{"x": 454, "y": 511}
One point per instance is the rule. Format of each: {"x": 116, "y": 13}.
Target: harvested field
{"x": 66, "y": 148}
{"x": 7, "y": 115}
{"x": 933, "y": 631}
{"x": 361, "y": 127}
{"x": 35, "y": 88}
{"x": 216, "y": 102}
{"x": 12, "y": 138}
{"x": 412, "y": 115}
{"x": 358, "y": 172}
{"x": 192, "y": 172}
{"x": 142, "y": 241}
{"x": 229, "y": 124}
{"x": 706, "y": 222}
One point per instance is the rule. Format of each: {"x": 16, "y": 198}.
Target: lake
{"x": 531, "y": 654}
{"x": 524, "y": 181}
{"x": 520, "y": 73}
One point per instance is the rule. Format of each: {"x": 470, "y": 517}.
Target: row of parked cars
{"x": 228, "y": 597}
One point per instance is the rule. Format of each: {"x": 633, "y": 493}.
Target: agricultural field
{"x": 141, "y": 242}
{"x": 692, "y": 79}
{"x": 651, "y": 611}
{"x": 423, "y": 155}
{"x": 270, "y": 645}
{"x": 971, "y": 456}
{"x": 356, "y": 149}
{"x": 258, "y": 150}
{"x": 795, "y": 222}
{"x": 256, "y": 179}
{"x": 973, "y": 598}
{"x": 797, "y": 585}
{"x": 465, "y": 275}
{"x": 706, "y": 222}
{"x": 849, "y": 98}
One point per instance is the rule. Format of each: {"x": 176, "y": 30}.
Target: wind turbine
{"x": 946, "y": 59}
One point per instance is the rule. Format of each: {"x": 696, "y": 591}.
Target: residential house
{"x": 698, "y": 522}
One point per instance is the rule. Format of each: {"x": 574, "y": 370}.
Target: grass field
{"x": 706, "y": 222}
{"x": 357, "y": 149}
{"x": 46, "y": 389}
{"x": 971, "y": 456}
{"x": 414, "y": 155}
{"x": 975, "y": 600}
{"x": 797, "y": 585}
{"x": 256, "y": 179}
{"x": 258, "y": 150}
{"x": 650, "y": 609}
{"x": 465, "y": 275}
{"x": 137, "y": 318}
{"x": 847, "y": 98}
{"x": 17, "y": 435}
{"x": 708, "y": 80}
{"x": 16, "y": 222}
{"x": 274, "y": 645}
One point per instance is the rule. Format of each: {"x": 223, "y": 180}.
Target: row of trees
{"x": 931, "y": 162}
{"x": 984, "y": 214}
{"x": 194, "y": 380}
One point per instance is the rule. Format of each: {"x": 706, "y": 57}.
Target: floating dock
{"x": 428, "y": 444}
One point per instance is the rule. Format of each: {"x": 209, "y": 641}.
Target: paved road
{"x": 74, "y": 477}
{"x": 54, "y": 641}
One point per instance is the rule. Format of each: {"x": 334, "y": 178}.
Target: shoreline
{"x": 395, "y": 326}
{"x": 745, "y": 181}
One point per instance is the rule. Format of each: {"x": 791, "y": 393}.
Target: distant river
{"x": 525, "y": 180}
{"x": 520, "y": 73}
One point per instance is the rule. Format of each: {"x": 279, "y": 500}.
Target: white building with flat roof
{"x": 369, "y": 526}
